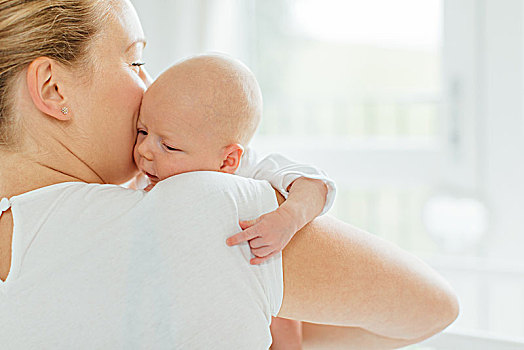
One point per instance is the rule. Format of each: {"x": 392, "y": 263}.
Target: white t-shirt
{"x": 104, "y": 267}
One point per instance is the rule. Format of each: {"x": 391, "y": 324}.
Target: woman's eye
{"x": 142, "y": 132}
{"x": 136, "y": 66}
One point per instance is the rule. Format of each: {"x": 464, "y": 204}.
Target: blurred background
{"x": 414, "y": 107}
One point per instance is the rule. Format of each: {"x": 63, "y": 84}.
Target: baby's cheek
{"x": 175, "y": 166}
{"x": 171, "y": 168}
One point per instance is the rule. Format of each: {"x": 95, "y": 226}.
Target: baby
{"x": 199, "y": 115}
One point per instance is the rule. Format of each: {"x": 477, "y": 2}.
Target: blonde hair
{"x": 58, "y": 29}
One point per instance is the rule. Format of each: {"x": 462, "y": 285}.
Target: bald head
{"x": 217, "y": 94}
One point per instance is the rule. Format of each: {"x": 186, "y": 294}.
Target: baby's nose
{"x": 145, "y": 151}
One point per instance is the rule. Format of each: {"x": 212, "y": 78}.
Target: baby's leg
{"x": 287, "y": 334}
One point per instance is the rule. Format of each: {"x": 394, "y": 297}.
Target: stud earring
{"x": 65, "y": 110}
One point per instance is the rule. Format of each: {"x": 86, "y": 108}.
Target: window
{"x": 342, "y": 69}
{"x": 413, "y": 107}
{"x": 349, "y": 81}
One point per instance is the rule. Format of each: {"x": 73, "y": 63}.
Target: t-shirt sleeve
{"x": 281, "y": 172}
{"x": 193, "y": 214}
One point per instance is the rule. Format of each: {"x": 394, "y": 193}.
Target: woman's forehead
{"x": 124, "y": 25}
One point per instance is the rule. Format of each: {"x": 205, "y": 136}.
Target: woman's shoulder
{"x": 201, "y": 188}
{"x": 208, "y": 181}
{"x": 203, "y": 184}
{"x": 76, "y": 189}
{"x": 77, "y": 198}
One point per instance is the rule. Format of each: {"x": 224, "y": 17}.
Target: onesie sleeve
{"x": 281, "y": 172}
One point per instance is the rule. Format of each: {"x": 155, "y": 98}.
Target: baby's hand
{"x": 267, "y": 235}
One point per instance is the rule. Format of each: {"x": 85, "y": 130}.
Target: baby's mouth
{"x": 151, "y": 177}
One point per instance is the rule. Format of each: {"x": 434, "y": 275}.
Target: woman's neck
{"x": 19, "y": 174}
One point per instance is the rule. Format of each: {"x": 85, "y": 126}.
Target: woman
{"x": 77, "y": 271}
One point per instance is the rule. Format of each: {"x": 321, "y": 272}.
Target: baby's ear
{"x": 231, "y": 158}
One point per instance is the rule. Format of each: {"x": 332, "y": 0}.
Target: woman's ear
{"x": 231, "y": 158}
{"x": 45, "y": 88}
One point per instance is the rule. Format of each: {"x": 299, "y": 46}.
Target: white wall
{"x": 503, "y": 134}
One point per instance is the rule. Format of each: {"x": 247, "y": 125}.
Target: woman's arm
{"x": 337, "y": 274}
{"x": 323, "y": 337}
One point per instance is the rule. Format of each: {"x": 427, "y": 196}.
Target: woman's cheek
{"x": 134, "y": 93}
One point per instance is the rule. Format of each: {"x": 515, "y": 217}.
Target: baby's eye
{"x": 142, "y": 132}
{"x": 169, "y": 148}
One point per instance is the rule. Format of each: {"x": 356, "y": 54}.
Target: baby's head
{"x": 198, "y": 115}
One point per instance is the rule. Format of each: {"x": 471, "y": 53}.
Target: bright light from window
{"x": 385, "y": 23}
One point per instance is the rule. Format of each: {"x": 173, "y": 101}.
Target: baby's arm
{"x": 309, "y": 193}
{"x": 281, "y": 172}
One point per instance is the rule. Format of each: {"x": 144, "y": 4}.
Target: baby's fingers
{"x": 258, "y": 260}
{"x": 262, "y": 251}
{"x": 258, "y": 242}
{"x": 240, "y": 237}
{"x": 244, "y": 224}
